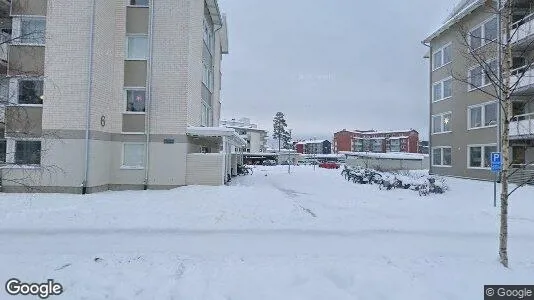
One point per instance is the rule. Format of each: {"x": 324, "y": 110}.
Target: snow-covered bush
{"x": 417, "y": 181}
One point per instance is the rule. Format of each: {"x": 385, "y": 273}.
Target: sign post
{"x": 496, "y": 166}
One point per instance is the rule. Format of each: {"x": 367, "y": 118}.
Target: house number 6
{"x": 103, "y": 121}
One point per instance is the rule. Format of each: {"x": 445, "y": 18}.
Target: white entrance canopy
{"x": 231, "y": 136}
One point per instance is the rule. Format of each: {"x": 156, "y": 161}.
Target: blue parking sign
{"x": 496, "y": 162}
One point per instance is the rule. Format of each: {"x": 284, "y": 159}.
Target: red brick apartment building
{"x": 376, "y": 141}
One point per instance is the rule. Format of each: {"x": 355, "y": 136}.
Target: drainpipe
{"x": 429, "y": 106}
{"x": 89, "y": 96}
{"x": 149, "y": 92}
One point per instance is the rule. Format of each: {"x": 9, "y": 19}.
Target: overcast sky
{"x": 329, "y": 64}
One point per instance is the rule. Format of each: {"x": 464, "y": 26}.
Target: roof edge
{"x": 454, "y": 19}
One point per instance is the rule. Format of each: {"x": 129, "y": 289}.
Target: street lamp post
{"x": 289, "y": 163}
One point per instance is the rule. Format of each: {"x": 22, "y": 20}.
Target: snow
{"x": 386, "y": 132}
{"x": 272, "y": 235}
{"x": 311, "y": 142}
{"x": 387, "y": 155}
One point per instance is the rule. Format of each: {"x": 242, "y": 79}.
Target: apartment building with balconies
{"x": 113, "y": 94}
{"x": 256, "y": 138}
{"x": 464, "y": 116}
{"x": 313, "y": 147}
{"x": 386, "y": 141}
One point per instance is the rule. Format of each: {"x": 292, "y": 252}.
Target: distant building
{"x": 314, "y": 147}
{"x": 387, "y": 141}
{"x": 424, "y": 147}
{"x": 256, "y": 138}
{"x": 377, "y": 141}
{"x": 343, "y": 139}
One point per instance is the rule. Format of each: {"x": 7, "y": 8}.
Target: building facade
{"x": 255, "y": 137}
{"x": 314, "y": 147}
{"x": 387, "y": 141}
{"x": 343, "y": 139}
{"x": 108, "y": 94}
{"x": 464, "y": 116}
{"x": 376, "y": 141}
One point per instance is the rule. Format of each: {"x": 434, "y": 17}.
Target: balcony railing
{"x": 522, "y": 126}
{"x": 523, "y": 28}
{"x": 524, "y": 76}
{"x": 522, "y": 173}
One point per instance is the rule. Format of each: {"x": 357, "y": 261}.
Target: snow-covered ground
{"x": 306, "y": 235}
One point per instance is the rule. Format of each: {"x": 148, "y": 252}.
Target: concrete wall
{"x": 205, "y": 169}
{"x": 386, "y": 164}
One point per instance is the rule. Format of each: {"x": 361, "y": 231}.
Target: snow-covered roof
{"x": 387, "y": 132}
{"x": 461, "y": 10}
{"x": 389, "y": 155}
{"x": 398, "y": 137}
{"x": 216, "y": 132}
{"x": 311, "y": 142}
{"x": 331, "y": 155}
{"x": 245, "y": 128}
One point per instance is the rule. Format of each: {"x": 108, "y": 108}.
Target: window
{"x": 442, "y": 56}
{"x": 206, "y": 115}
{"x": 133, "y": 155}
{"x": 447, "y": 156}
{"x": 30, "y": 91}
{"x": 28, "y": 152}
{"x": 135, "y": 100}
{"x": 442, "y": 89}
{"x": 484, "y": 33}
{"x": 441, "y": 123}
{"x": 139, "y": 2}
{"x": 475, "y": 38}
{"x": 490, "y": 30}
{"x": 484, "y": 115}
{"x": 3, "y": 148}
{"x": 441, "y": 156}
{"x": 137, "y": 47}
{"x": 479, "y": 156}
{"x": 4, "y": 90}
{"x": 480, "y": 76}
{"x": 32, "y": 31}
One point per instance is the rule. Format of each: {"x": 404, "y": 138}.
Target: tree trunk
{"x": 505, "y": 143}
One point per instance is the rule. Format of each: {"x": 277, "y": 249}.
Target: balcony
{"x": 522, "y": 127}
{"x": 522, "y": 173}
{"x": 523, "y": 30}
{"x": 523, "y": 79}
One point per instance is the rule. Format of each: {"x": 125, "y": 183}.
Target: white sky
{"x": 329, "y": 65}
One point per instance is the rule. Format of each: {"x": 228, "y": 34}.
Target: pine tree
{"x": 286, "y": 140}
{"x": 279, "y": 128}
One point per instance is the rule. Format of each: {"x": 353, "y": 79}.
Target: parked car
{"x": 329, "y": 165}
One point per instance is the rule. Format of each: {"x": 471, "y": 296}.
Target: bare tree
{"x": 498, "y": 65}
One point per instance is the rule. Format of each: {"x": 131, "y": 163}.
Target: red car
{"x": 329, "y": 165}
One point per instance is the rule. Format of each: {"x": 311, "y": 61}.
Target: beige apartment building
{"x": 113, "y": 94}
{"x": 464, "y": 118}
{"x": 255, "y": 137}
